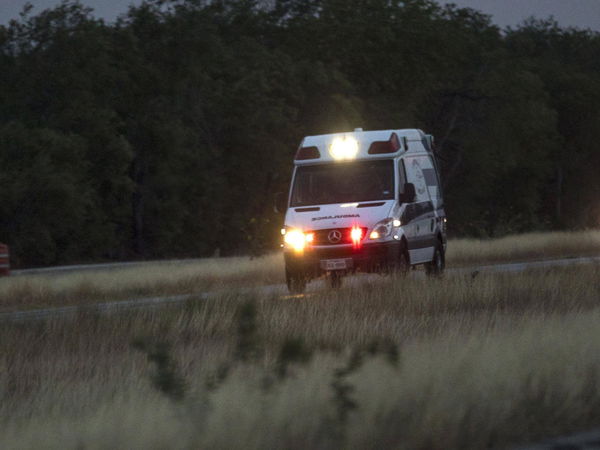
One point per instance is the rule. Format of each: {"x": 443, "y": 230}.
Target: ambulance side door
{"x": 434, "y": 186}
{"x": 421, "y": 213}
{"x": 408, "y": 210}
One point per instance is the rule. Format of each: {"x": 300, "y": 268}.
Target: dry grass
{"x": 41, "y": 291}
{"x": 151, "y": 279}
{"x": 524, "y": 247}
{"x": 453, "y": 363}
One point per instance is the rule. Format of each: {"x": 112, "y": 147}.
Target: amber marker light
{"x": 295, "y": 239}
{"x": 298, "y": 240}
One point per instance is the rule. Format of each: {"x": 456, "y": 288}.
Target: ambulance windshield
{"x": 356, "y": 181}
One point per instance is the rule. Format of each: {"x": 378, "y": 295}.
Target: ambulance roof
{"x": 359, "y": 144}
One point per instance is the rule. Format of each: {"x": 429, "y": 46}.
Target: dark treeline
{"x": 166, "y": 133}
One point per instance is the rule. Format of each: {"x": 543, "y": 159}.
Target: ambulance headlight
{"x": 384, "y": 228}
{"x": 297, "y": 240}
{"x": 343, "y": 148}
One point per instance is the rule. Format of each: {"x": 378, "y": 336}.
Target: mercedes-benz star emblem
{"x": 334, "y": 236}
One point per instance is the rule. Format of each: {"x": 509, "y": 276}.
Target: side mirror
{"x": 280, "y": 202}
{"x": 409, "y": 195}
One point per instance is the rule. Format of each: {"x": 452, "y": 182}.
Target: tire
{"x": 335, "y": 280}
{"x": 402, "y": 264}
{"x": 436, "y": 267}
{"x": 296, "y": 281}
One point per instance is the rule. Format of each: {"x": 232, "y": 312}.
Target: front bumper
{"x": 372, "y": 257}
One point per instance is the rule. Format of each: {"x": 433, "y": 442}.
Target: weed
{"x": 293, "y": 351}
{"x": 387, "y": 347}
{"x": 166, "y": 377}
{"x": 342, "y": 389}
{"x": 247, "y": 347}
{"x": 217, "y": 377}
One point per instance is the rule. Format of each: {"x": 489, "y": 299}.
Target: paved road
{"x": 274, "y": 289}
{"x": 103, "y": 266}
{"x": 581, "y": 441}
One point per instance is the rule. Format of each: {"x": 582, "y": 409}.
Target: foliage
{"x": 166, "y": 133}
{"x": 166, "y": 378}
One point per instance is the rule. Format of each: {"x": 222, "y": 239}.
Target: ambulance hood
{"x": 319, "y": 217}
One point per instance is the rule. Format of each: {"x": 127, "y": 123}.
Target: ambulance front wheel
{"x": 401, "y": 263}
{"x": 296, "y": 281}
{"x": 335, "y": 279}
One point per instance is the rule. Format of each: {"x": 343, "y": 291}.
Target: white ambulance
{"x": 363, "y": 201}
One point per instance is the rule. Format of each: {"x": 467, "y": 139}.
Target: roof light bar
{"x": 343, "y": 148}
{"x": 308, "y": 153}
{"x": 390, "y": 146}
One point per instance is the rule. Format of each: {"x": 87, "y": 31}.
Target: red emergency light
{"x": 356, "y": 235}
{"x": 390, "y": 146}
{"x": 308, "y": 153}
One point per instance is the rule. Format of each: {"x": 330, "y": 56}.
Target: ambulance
{"x": 363, "y": 201}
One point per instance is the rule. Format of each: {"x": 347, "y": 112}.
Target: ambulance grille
{"x": 322, "y": 237}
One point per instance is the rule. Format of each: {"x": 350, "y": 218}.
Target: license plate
{"x": 336, "y": 264}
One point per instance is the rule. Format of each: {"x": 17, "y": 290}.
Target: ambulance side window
{"x": 415, "y": 176}
{"x": 401, "y": 176}
{"x": 409, "y": 213}
{"x": 431, "y": 178}
{"x": 439, "y": 180}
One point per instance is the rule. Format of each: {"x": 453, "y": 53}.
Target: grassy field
{"x": 524, "y": 247}
{"x": 214, "y": 274}
{"x": 460, "y": 362}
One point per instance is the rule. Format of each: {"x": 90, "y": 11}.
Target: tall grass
{"x": 460, "y": 362}
{"x": 524, "y": 247}
{"x": 211, "y": 274}
{"x": 214, "y": 274}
